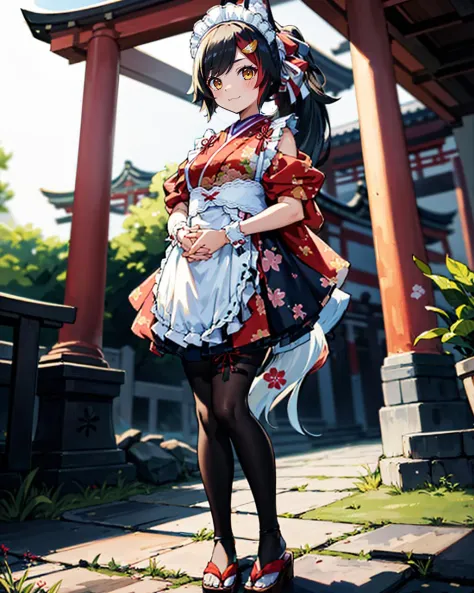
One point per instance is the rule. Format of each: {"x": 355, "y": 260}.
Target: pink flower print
{"x": 418, "y": 292}
{"x": 275, "y": 378}
{"x": 276, "y": 297}
{"x": 294, "y": 275}
{"x": 298, "y": 312}
{"x": 260, "y": 305}
{"x": 325, "y": 282}
{"x": 261, "y": 333}
{"x": 270, "y": 260}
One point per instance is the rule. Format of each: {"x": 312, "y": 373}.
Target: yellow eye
{"x": 216, "y": 84}
{"x": 248, "y": 73}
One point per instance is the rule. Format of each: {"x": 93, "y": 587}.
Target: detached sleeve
{"x": 295, "y": 177}
{"x": 176, "y": 188}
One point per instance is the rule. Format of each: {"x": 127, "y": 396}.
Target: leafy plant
{"x": 469, "y": 521}
{"x": 371, "y": 481}
{"x": 203, "y": 534}
{"x": 458, "y": 291}
{"x": 435, "y": 520}
{"x": 422, "y": 567}
{"x": 23, "y": 503}
{"x": 301, "y": 488}
{"x": 353, "y": 507}
{"x": 395, "y": 490}
{"x": 301, "y": 551}
{"x": 13, "y": 585}
{"x": 445, "y": 485}
{"x": 155, "y": 570}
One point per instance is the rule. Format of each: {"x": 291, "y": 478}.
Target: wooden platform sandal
{"x": 229, "y": 580}
{"x": 282, "y": 569}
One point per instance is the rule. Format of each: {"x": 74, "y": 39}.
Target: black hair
{"x": 216, "y": 56}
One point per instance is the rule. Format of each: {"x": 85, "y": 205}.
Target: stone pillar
{"x": 464, "y": 137}
{"x": 326, "y": 395}
{"x": 465, "y": 209}
{"x": 127, "y": 356}
{"x": 421, "y": 374}
{"x": 87, "y": 262}
{"x": 358, "y": 402}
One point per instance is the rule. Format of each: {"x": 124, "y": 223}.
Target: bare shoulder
{"x": 287, "y": 144}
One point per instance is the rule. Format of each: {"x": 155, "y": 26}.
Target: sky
{"x": 40, "y": 110}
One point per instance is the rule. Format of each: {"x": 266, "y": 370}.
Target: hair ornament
{"x": 256, "y": 15}
{"x": 251, "y": 47}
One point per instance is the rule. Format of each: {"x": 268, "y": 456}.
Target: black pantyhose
{"x": 221, "y": 386}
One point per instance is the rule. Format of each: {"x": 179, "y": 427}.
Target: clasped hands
{"x": 200, "y": 244}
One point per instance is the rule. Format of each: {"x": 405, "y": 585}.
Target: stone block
{"x": 396, "y": 421}
{"x": 458, "y": 468}
{"x": 86, "y": 581}
{"x": 392, "y": 393}
{"x": 468, "y": 442}
{"x": 128, "y": 438}
{"x": 298, "y": 502}
{"x": 314, "y": 574}
{"x": 154, "y": 464}
{"x": 432, "y": 586}
{"x": 186, "y": 455}
{"x": 156, "y": 439}
{"x": 125, "y": 549}
{"x": 405, "y": 473}
{"x": 431, "y": 445}
{"x": 395, "y": 541}
{"x": 456, "y": 562}
{"x": 130, "y": 514}
{"x": 428, "y": 389}
{"x": 45, "y": 537}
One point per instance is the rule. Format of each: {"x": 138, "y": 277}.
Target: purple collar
{"x": 238, "y": 125}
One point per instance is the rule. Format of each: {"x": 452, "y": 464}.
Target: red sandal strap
{"x": 275, "y": 566}
{"x": 230, "y": 571}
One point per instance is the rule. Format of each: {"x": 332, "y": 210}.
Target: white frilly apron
{"x": 207, "y": 300}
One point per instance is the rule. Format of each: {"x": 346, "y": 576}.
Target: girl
{"x": 245, "y": 280}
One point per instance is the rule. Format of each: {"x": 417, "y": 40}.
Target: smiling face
{"x": 225, "y": 76}
{"x": 237, "y": 89}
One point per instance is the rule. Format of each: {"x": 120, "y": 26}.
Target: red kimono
{"x": 298, "y": 271}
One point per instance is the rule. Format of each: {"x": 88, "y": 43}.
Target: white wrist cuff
{"x": 234, "y": 233}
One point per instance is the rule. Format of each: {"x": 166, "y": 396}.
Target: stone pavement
{"x": 160, "y": 527}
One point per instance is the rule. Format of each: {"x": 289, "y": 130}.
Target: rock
{"x": 128, "y": 438}
{"x": 156, "y": 439}
{"x": 154, "y": 465}
{"x": 184, "y": 453}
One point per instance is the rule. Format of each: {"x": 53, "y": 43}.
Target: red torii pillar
{"x": 465, "y": 210}
{"x": 417, "y": 381}
{"x": 73, "y": 386}
{"x": 87, "y": 263}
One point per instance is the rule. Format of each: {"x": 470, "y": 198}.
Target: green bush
{"x": 458, "y": 292}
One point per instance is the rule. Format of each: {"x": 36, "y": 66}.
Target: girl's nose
{"x": 228, "y": 87}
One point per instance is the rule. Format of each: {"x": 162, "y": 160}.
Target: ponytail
{"x": 314, "y": 129}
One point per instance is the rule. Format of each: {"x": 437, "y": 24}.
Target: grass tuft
{"x": 371, "y": 481}
{"x": 203, "y": 534}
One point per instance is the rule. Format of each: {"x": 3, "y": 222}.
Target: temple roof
{"x": 43, "y": 25}
{"x": 130, "y": 173}
{"x": 357, "y": 210}
{"x": 413, "y": 113}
